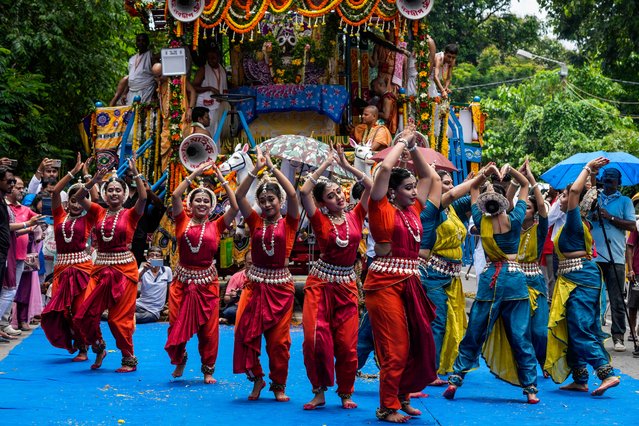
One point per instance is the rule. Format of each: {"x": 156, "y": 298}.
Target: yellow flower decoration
{"x": 425, "y": 116}
{"x": 423, "y": 74}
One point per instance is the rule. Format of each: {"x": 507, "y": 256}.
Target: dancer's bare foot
{"x": 408, "y": 409}
{"x": 209, "y": 380}
{"x": 280, "y": 396}
{"x": 82, "y": 356}
{"x": 418, "y": 395}
{"x": 449, "y": 393}
{"x": 348, "y": 403}
{"x": 546, "y": 375}
{"x": 532, "y": 398}
{"x": 258, "y": 385}
{"x": 179, "y": 370}
{"x": 126, "y": 369}
{"x": 99, "y": 357}
{"x": 318, "y": 401}
{"x": 607, "y": 383}
{"x": 576, "y": 387}
{"x": 438, "y": 382}
{"x": 396, "y": 418}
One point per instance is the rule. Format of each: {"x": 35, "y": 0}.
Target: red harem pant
{"x": 112, "y": 287}
{"x": 194, "y": 308}
{"x": 67, "y": 294}
{"x": 264, "y": 309}
{"x": 330, "y": 321}
{"x": 400, "y": 315}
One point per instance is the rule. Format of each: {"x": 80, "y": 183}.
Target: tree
{"x": 77, "y": 50}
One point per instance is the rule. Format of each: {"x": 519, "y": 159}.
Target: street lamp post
{"x": 563, "y": 71}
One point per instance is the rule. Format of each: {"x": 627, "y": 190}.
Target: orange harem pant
{"x": 330, "y": 321}
{"x": 193, "y": 308}
{"x": 67, "y": 295}
{"x": 400, "y": 316}
{"x": 112, "y": 287}
{"x": 264, "y": 309}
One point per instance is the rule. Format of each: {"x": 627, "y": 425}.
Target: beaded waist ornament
{"x": 72, "y": 258}
{"x": 114, "y": 258}
{"x": 511, "y": 265}
{"x": 442, "y": 265}
{"x": 395, "y": 265}
{"x": 332, "y": 273}
{"x": 196, "y": 276}
{"x": 269, "y": 276}
{"x": 570, "y": 265}
{"x": 531, "y": 269}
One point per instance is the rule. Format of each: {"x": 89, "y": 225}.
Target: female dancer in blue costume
{"x": 574, "y": 332}
{"x": 500, "y": 315}
{"x": 531, "y": 244}
{"x": 440, "y": 265}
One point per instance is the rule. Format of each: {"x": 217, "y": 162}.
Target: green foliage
{"x": 67, "y": 54}
{"x": 545, "y": 119}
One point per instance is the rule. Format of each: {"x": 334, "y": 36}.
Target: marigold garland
{"x": 423, "y": 105}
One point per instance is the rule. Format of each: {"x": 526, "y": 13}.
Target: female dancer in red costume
{"x": 330, "y": 295}
{"x": 195, "y": 292}
{"x": 114, "y": 278}
{"x": 266, "y": 304}
{"x": 72, "y": 268}
{"x": 400, "y": 313}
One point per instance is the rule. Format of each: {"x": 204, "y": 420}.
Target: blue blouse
{"x": 508, "y": 242}
{"x": 572, "y": 236}
{"x": 431, "y": 220}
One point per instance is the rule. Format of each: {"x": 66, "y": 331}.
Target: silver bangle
{"x": 312, "y": 179}
{"x": 71, "y": 175}
{"x": 225, "y": 183}
{"x": 189, "y": 180}
{"x": 270, "y": 169}
{"x": 251, "y": 174}
{"x": 87, "y": 176}
{"x": 404, "y": 141}
{"x": 139, "y": 176}
{"x": 587, "y": 167}
{"x": 412, "y": 148}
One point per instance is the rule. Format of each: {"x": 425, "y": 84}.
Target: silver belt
{"x": 72, "y": 258}
{"x": 570, "y": 265}
{"x": 395, "y": 265}
{"x": 442, "y": 265}
{"x": 511, "y": 265}
{"x": 196, "y": 276}
{"x": 332, "y": 273}
{"x": 114, "y": 258}
{"x": 531, "y": 269}
{"x": 269, "y": 276}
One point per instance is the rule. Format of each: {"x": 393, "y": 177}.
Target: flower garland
{"x": 423, "y": 104}
{"x": 175, "y": 126}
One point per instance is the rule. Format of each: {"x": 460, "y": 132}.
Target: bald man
{"x": 371, "y": 133}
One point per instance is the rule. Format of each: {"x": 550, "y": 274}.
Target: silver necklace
{"x": 417, "y": 236}
{"x": 64, "y": 234}
{"x": 115, "y": 224}
{"x": 270, "y": 252}
{"x": 340, "y": 242}
{"x": 195, "y": 249}
{"x": 524, "y": 247}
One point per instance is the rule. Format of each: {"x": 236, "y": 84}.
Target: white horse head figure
{"x": 241, "y": 163}
{"x": 363, "y": 154}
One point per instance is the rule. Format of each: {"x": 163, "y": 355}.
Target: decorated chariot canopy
{"x": 243, "y": 16}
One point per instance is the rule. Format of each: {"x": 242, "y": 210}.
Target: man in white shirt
{"x": 141, "y": 80}
{"x": 211, "y": 80}
{"x": 153, "y": 285}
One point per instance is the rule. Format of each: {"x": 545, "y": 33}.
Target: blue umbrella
{"x": 565, "y": 172}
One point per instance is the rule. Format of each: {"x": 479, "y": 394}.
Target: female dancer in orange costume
{"x": 114, "y": 278}
{"x": 330, "y": 301}
{"x": 266, "y": 304}
{"x": 400, "y": 313}
{"x": 72, "y": 268}
{"x": 195, "y": 292}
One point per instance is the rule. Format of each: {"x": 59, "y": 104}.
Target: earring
{"x": 391, "y": 198}
{"x": 324, "y": 210}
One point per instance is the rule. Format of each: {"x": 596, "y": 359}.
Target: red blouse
{"x": 282, "y": 240}
{"x": 325, "y": 234}
{"x": 389, "y": 225}
{"x": 81, "y": 229}
{"x": 210, "y": 241}
{"x": 122, "y": 235}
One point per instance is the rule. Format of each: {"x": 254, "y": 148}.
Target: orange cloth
{"x": 330, "y": 323}
{"x": 376, "y": 134}
{"x": 264, "y": 309}
{"x": 113, "y": 287}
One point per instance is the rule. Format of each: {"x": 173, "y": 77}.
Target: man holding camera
{"x": 47, "y": 170}
{"x": 614, "y": 216}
